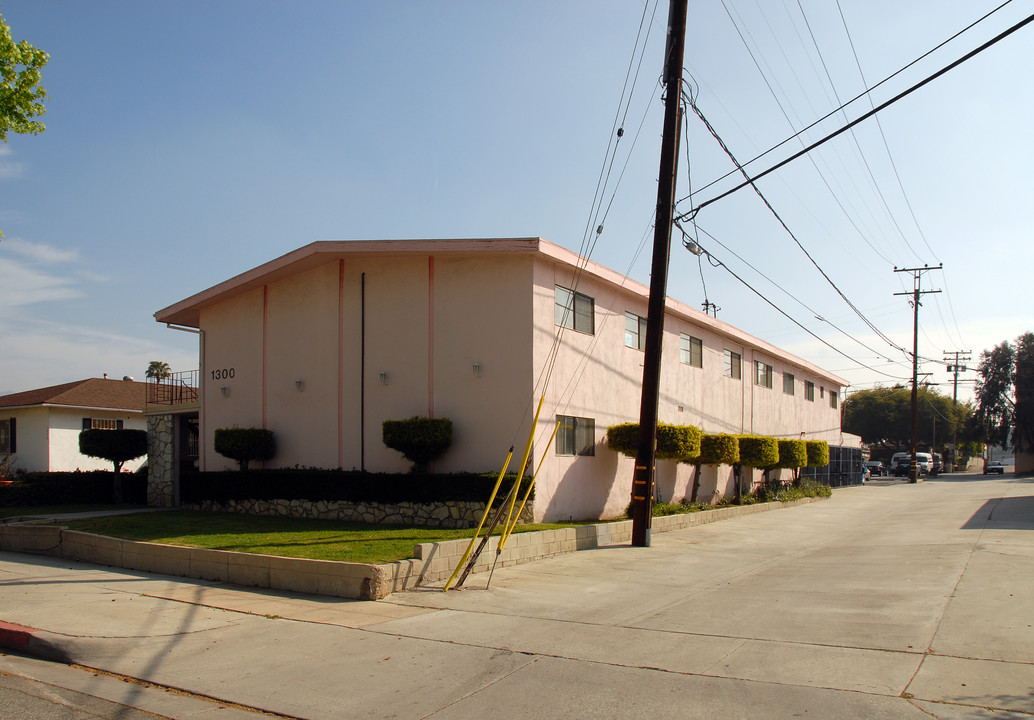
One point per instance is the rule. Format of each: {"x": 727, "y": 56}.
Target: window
{"x": 576, "y": 436}
{"x": 822, "y": 391}
{"x": 691, "y": 350}
{"x": 635, "y": 331}
{"x": 809, "y": 391}
{"x": 575, "y": 311}
{"x": 788, "y": 383}
{"x": 732, "y": 365}
{"x": 101, "y": 424}
{"x": 8, "y": 441}
{"x": 834, "y": 397}
{"x": 762, "y": 374}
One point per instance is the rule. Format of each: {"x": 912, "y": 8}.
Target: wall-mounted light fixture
{"x": 384, "y": 378}
{"x": 477, "y": 369}
{"x": 299, "y": 384}
{"x": 225, "y": 390}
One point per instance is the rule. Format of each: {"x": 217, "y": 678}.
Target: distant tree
{"x": 1023, "y": 389}
{"x": 116, "y": 446}
{"x": 994, "y": 388}
{"x": 21, "y": 95}
{"x": 882, "y": 416}
{"x": 159, "y": 370}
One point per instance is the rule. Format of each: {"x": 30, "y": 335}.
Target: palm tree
{"x": 159, "y": 371}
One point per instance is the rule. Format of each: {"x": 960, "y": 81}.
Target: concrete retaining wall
{"x": 433, "y": 562}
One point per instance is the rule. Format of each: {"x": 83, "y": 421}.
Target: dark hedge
{"x": 356, "y": 486}
{"x": 72, "y": 488}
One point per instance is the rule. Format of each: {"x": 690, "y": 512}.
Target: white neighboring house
{"x": 325, "y": 343}
{"x": 39, "y": 429}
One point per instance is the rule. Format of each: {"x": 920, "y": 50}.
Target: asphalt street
{"x": 886, "y": 601}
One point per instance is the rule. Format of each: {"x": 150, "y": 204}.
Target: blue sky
{"x": 187, "y": 142}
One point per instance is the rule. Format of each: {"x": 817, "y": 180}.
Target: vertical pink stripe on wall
{"x": 340, "y": 364}
{"x": 430, "y": 336}
{"x": 265, "y": 338}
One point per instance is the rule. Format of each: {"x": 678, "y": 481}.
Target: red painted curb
{"x": 14, "y": 637}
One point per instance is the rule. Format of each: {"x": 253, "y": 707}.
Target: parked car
{"x": 993, "y": 466}
{"x": 938, "y": 464}
{"x": 901, "y": 462}
{"x": 876, "y": 468}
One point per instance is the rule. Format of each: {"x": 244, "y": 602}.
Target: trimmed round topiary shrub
{"x": 674, "y": 442}
{"x": 245, "y": 445}
{"x": 421, "y": 440}
{"x": 757, "y": 451}
{"x": 719, "y": 449}
{"x": 792, "y": 454}
{"x": 818, "y": 453}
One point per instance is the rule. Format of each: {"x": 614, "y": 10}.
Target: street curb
{"x": 32, "y": 642}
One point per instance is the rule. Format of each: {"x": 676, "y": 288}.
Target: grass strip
{"x": 283, "y": 537}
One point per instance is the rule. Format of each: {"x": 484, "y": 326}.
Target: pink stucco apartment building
{"x": 326, "y": 342}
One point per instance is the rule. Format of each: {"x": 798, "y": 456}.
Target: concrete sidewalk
{"x": 893, "y": 601}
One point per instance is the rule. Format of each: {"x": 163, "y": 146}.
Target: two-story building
{"x": 325, "y": 343}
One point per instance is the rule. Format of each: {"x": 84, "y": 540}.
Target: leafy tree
{"x": 115, "y": 446}
{"x": 1023, "y": 387}
{"x": 245, "y": 445}
{"x": 882, "y": 416}
{"x": 21, "y": 95}
{"x": 994, "y": 393}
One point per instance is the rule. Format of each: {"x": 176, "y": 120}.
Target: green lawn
{"x": 286, "y": 537}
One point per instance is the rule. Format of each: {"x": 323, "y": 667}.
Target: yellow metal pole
{"x": 488, "y": 509}
{"x": 524, "y": 460}
{"x": 527, "y": 493}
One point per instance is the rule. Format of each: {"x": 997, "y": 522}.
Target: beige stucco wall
{"x": 310, "y": 327}
{"x": 428, "y": 318}
{"x": 606, "y": 386}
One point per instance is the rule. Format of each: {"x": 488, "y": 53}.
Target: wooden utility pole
{"x": 917, "y": 275}
{"x": 643, "y": 477}
{"x": 956, "y": 369}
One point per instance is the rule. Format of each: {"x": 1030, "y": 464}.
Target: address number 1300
{"x": 224, "y": 374}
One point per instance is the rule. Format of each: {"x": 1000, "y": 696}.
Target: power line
{"x": 836, "y": 133}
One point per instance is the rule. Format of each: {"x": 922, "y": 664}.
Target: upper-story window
{"x": 809, "y": 391}
{"x": 635, "y": 331}
{"x": 762, "y": 374}
{"x": 834, "y": 397}
{"x": 575, "y": 310}
{"x": 789, "y": 382}
{"x": 691, "y": 350}
{"x": 733, "y": 363}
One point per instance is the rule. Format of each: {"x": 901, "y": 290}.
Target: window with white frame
{"x": 762, "y": 374}
{"x": 8, "y": 441}
{"x": 576, "y": 436}
{"x": 809, "y": 391}
{"x": 635, "y": 331}
{"x": 102, "y": 424}
{"x": 789, "y": 382}
{"x": 575, "y": 311}
{"x": 691, "y": 350}
{"x": 732, "y": 368}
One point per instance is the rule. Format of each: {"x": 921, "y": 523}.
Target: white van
{"x": 900, "y": 462}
